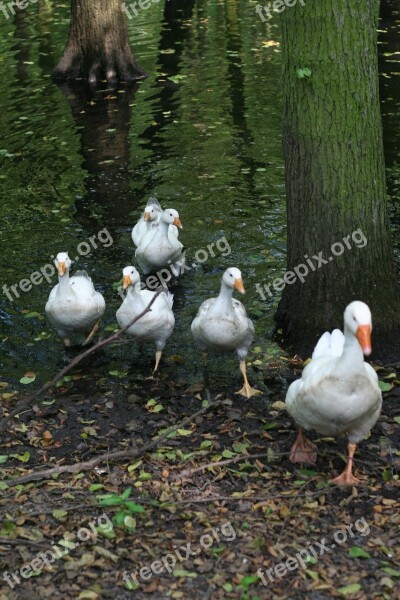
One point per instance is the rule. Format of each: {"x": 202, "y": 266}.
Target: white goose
{"x": 74, "y": 306}
{"x": 338, "y": 392}
{"x": 160, "y": 247}
{"x": 222, "y": 324}
{"x": 149, "y": 219}
{"x": 156, "y": 325}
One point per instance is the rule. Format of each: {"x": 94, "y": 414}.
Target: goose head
{"x": 130, "y": 277}
{"x": 171, "y": 216}
{"x": 150, "y": 213}
{"x": 63, "y": 263}
{"x": 358, "y": 320}
{"x": 232, "y": 278}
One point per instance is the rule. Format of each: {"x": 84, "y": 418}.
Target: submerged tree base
{"x": 106, "y": 67}
{"x": 98, "y": 46}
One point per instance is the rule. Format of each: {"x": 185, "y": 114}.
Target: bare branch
{"x": 221, "y": 463}
{"x": 108, "y": 456}
{"x": 25, "y": 403}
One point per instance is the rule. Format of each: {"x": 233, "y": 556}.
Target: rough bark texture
{"x": 98, "y": 46}
{"x": 335, "y": 174}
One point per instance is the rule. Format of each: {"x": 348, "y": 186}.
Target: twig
{"x": 258, "y": 499}
{"x": 108, "y": 456}
{"x": 49, "y": 511}
{"x": 20, "y": 542}
{"x": 220, "y": 463}
{"x": 76, "y": 361}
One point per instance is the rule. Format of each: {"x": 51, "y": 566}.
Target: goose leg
{"x": 158, "y": 358}
{"x": 347, "y": 477}
{"x": 92, "y": 333}
{"x": 303, "y": 450}
{"x": 246, "y": 390}
{"x": 205, "y": 370}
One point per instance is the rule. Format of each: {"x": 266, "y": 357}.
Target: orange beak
{"x": 364, "y": 337}
{"x": 126, "y": 282}
{"x": 61, "y": 268}
{"x": 238, "y": 285}
{"x": 178, "y": 223}
{"x": 147, "y": 216}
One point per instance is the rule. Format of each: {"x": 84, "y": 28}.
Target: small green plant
{"x": 127, "y": 508}
{"x": 300, "y": 73}
{"x": 245, "y": 584}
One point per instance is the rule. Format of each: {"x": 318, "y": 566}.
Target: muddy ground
{"x": 219, "y": 523}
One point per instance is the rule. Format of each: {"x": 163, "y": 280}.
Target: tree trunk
{"x": 98, "y": 46}
{"x": 335, "y": 175}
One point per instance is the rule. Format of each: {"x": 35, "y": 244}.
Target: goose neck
{"x": 63, "y": 283}
{"x": 224, "y": 299}
{"x": 163, "y": 226}
{"x": 352, "y": 357}
{"x": 134, "y": 293}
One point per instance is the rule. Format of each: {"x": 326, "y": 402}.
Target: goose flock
{"x": 338, "y": 392}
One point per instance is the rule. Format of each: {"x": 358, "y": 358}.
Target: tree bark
{"x": 98, "y": 45}
{"x": 335, "y": 174}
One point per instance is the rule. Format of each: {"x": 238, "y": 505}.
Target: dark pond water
{"x": 202, "y": 134}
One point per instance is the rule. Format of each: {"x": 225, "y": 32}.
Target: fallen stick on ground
{"x": 108, "y": 456}
{"x": 221, "y": 463}
{"x": 47, "y": 386}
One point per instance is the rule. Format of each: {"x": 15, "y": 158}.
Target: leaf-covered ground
{"x": 218, "y": 497}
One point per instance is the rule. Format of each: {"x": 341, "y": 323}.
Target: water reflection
{"x": 202, "y": 133}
